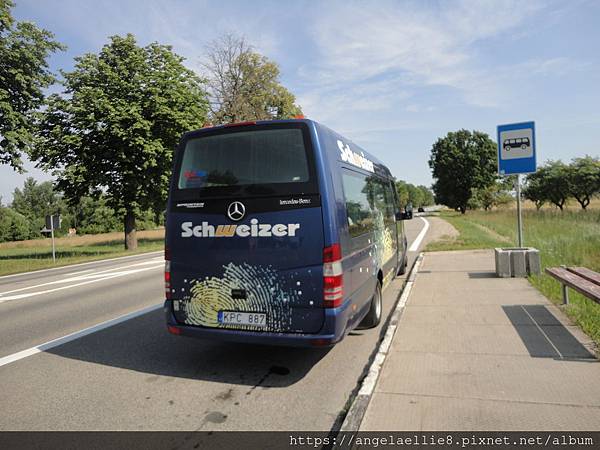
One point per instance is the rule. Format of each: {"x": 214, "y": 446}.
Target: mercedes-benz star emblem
{"x": 236, "y": 211}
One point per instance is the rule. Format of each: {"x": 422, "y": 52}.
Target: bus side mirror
{"x": 401, "y": 215}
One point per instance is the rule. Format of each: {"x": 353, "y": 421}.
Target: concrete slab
{"x": 415, "y": 412}
{"x": 476, "y": 352}
{"x": 491, "y": 377}
{"x": 472, "y": 339}
{"x": 464, "y": 314}
{"x": 454, "y": 261}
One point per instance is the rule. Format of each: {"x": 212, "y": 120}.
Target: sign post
{"x": 52, "y": 222}
{"x": 519, "y": 218}
{"x": 517, "y": 155}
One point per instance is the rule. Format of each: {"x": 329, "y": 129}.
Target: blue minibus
{"x": 278, "y": 232}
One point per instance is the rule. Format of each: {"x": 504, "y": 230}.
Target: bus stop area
{"x": 475, "y": 352}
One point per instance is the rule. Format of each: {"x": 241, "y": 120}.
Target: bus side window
{"x": 359, "y": 210}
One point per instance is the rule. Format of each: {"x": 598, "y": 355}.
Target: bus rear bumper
{"x": 321, "y": 339}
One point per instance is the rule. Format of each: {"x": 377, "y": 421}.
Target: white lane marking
{"x": 98, "y": 261}
{"x": 94, "y": 279}
{"x": 76, "y": 335}
{"x": 84, "y": 277}
{"x": 415, "y": 245}
{"x": 75, "y": 273}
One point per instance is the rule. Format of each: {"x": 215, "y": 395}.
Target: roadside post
{"x": 52, "y": 222}
{"x": 517, "y": 155}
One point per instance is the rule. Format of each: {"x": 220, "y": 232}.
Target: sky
{"x": 392, "y": 76}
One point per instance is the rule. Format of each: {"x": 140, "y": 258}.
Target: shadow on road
{"x": 143, "y": 345}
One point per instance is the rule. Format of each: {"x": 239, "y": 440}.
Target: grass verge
{"x": 570, "y": 237}
{"x": 26, "y": 256}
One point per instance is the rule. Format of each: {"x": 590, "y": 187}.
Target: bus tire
{"x": 373, "y": 317}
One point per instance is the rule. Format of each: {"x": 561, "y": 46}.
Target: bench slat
{"x": 581, "y": 285}
{"x": 586, "y": 273}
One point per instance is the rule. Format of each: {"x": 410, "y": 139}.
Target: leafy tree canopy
{"x": 583, "y": 178}
{"x": 36, "y": 199}
{"x": 495, "y": 194}
{"x": 415, "y": 195}
{"x": 244, "y": 85}
{"x": 555, "y": 182}
{"x": 114, "y": 128}
{"x": 24, "y": 74}
{"x": 402, "y": 190}
{"x": 13, "y": 226}
{"x": 460, "y": 162}
{"x": 34, "y": 202}
{"x": 548, "y": 183}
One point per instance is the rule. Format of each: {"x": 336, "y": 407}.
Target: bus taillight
{"x": 333, "y": 278}
{"x": 168, "y": 294}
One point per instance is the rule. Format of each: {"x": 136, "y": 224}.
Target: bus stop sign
{"x": 516, "y": 148}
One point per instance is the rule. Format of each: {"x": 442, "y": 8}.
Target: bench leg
{"x": 565, "y": 290}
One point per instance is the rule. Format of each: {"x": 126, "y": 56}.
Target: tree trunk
{"x": 130, "y": 235}
{"x": 584, "y": 202}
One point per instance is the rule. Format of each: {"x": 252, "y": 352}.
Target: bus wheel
{"x": 373, "y": 317}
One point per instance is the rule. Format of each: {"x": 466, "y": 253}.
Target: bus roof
{"x": 309, "y": 122}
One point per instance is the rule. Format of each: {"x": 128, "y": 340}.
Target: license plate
{"x": 242, "y": 318}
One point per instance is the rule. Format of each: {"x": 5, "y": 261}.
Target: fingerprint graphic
{"x": 264, "y": 294}
{"x": 384, "y": 248}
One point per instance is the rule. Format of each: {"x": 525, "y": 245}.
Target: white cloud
{"x": 410, "y": 45}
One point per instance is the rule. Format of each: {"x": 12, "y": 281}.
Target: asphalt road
{"x": 136, "y": 376}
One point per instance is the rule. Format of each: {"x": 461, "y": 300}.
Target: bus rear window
{"x": 245, "y": 158}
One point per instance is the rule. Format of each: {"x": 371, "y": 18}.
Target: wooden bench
{"x": 583, "y": 280}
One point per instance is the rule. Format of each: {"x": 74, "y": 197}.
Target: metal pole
{"x": 519, "y": 219}
{"x": 52, "y": 231}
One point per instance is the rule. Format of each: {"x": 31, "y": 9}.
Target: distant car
{"x": 421, "y": 209}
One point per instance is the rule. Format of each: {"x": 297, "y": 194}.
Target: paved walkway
{"x": 476, "y": 352}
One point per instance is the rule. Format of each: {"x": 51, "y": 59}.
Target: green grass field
{"x": 25, "y": 256}
{"x": 571, "y": 237}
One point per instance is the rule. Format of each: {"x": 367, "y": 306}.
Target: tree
{"x": 114, "y": 128}
{"x": 92, "y": 216}
{"x": 534, "y": 191}
{"x": 583, "y": 178}
{"x": 495, "y": 194}
{"x": 460, "y": 162}
{"x": 548, "y": 183}
{"x": 24, "y": 74}
{"x": 402, "y": 190}
{"x": 427, "y": 196}
{"x": 35, "y": 202}
{"x": 13, "y": 226}
{"x": 555, "y": 183}
{"x": 244, "y": 85}
{"x": 415, "y": 195}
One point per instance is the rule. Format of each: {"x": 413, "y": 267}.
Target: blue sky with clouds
{"x": 393, "y": 76}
